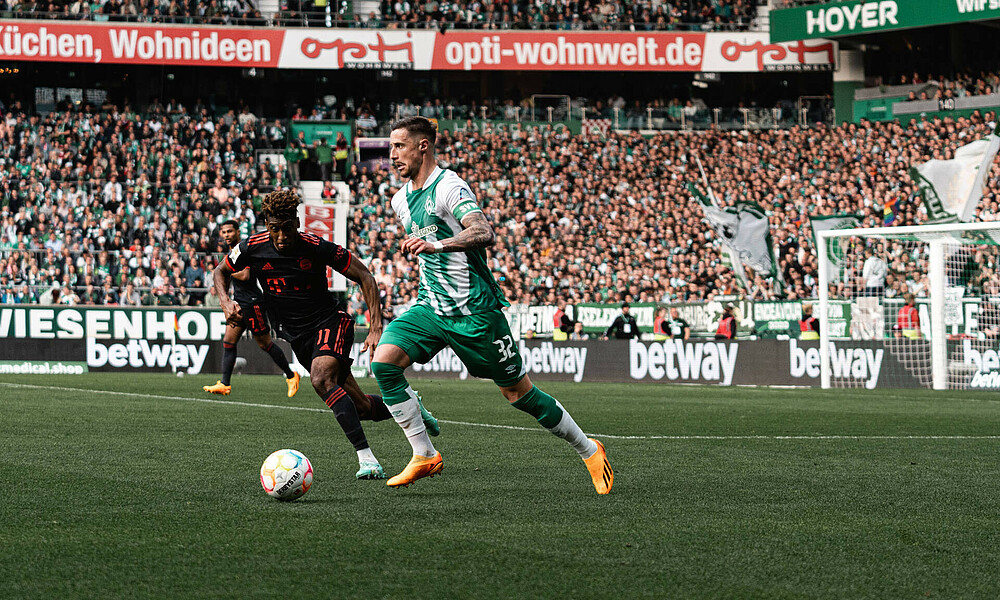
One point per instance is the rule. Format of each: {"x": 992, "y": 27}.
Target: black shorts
{"x": 254, "y": 318}
{"x": 333, "y": 337}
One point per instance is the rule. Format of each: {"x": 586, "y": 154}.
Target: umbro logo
{"x": 267, "y": 267}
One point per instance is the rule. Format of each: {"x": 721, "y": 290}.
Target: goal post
{"x": 919, "y": 304}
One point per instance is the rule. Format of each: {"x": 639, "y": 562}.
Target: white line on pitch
{"x": 517, "y": 428}
{"x": 156, "y": 397}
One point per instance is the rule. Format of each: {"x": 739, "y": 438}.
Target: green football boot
{"x": 429, "y": 421}
{"x": 370, "y": 470}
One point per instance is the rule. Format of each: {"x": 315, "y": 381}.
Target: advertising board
{"x": 424, "y": 50}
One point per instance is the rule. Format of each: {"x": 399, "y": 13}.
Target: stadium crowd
{"x": 188, "y": 12}
{"x": 959, "y": 85}
{"x": 117, "y": 207}
{"x": 635, "y": 15}
{"x": 700, "y": 15}
{"x": 374, "y": 118}
{"x": 95, "y": 201}
{"x": 594, "y": 219}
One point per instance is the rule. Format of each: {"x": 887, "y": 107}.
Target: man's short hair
{"x": 281, "y": 205}
{"x": 422, "y": 127}
{"x": 232, "y": 222}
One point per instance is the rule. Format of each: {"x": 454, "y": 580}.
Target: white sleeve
{"x": 458, "y": 198}
{"x": 399, "y": 196}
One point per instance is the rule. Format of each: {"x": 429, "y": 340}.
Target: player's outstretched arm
{"x": 359, "y": 274}
{"x": 476, "y": 233}
{"x": 220, "y": 279}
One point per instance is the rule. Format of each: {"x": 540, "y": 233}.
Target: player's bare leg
{"x": 327, "y": 374}
{"x": 387, "y": 366}
{"x": 265, "y": 343}
{"x": 551, "y": 415}
{"x": 229, "y": 341}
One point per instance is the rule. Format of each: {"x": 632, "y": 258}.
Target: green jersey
{"x": 451, "y": 283}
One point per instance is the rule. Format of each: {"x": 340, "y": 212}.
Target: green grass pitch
{"x": 719, "y": 493}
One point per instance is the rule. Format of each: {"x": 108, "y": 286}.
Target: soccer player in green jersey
{"x": 458, "y": 305}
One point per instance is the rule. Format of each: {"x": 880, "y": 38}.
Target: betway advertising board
{"x": 762, "y": 362}
{"x": 332, "y": 49}
{"x": 112, "y": 338}
{"x": 832, "y": 19}
{"x": 69, "y": 340}
{"x": 979, "y": 367}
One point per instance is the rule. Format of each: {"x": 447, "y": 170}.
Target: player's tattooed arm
{"x": 243, "y": 275}
{"x": 477, "y": 233}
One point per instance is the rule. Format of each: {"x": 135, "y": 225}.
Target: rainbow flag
{"x": 890, "y": 211}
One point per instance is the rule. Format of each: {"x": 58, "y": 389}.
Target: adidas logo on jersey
{"x": 267, "y": 267}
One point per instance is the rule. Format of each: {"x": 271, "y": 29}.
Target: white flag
{"x": 952, "y": 188}
{"x": 834, "y": 246}
{"x": 744, "y": 230}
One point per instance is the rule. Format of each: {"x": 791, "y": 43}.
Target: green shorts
{"x": 483, "y": 342}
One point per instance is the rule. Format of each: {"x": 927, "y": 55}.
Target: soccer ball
{"x": 286, "y": 474}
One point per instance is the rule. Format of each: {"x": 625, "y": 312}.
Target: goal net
{"x": 910, "y": 307}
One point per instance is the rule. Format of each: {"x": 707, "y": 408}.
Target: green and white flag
{"x": 834, "y": 246}
{"x": 744, "y": 231}
{"x": 952, "y": 188}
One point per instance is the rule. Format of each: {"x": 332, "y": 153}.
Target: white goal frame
{"x": 936, "y": 277}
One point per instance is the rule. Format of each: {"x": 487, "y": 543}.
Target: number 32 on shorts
{"x": 506, "y": 347}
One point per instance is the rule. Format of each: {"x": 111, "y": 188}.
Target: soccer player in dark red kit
{"x": 248, "y": 296}
{"x": 291, "y": 268}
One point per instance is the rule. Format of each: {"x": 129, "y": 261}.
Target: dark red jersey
{"x": 294, "y": 284}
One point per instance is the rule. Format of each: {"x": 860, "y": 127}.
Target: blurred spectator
{"x": 727, "y": 323}
{"x": 624, "y": 327}
{"x": 578, "y": 333}
{"x": 323, "y": 154}
{"x": 678, "y": 328}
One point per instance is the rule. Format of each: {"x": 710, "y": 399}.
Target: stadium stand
{"x": 635, "y": 15}
{"x": 596, "y": 219}
{"x": 187, "y": 12}
{"x": 699, "y": 15}
{"x": 116, "y": 207}
{"x": 957, "y": 86}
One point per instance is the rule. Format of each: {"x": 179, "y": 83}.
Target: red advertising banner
{"x": 53, "y": 41}
{"x": 586, "y": 51}
{"x": 357, "y": 49}
{"x": 551, "y": 51}
{"x": 333, "y": 49}
{"x": 328, "y": 221}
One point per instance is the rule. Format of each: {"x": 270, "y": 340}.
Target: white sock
{"x": 366, "y": 455}
{"x": 407, "y": 414}
{"x": 568, "y": 430}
